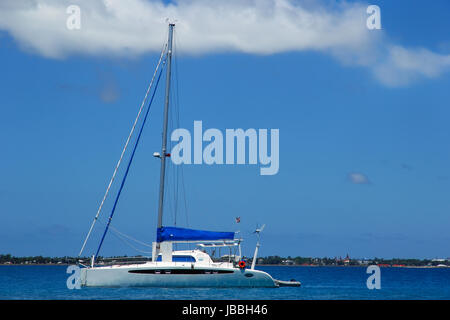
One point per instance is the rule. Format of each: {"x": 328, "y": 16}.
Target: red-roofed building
{"x": 347, "y": 259}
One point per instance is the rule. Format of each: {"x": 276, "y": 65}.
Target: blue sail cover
{"x": 183, "y": 234}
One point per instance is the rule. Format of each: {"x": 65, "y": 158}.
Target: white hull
{"x": 174, "y": 275}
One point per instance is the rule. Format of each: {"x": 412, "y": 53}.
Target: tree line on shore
{"x": 269, "y": 260}
{"x": 276, "y": 260}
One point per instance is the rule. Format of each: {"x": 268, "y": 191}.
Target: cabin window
{"x": 179, "y": 258}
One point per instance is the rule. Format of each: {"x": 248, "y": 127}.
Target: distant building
{"x": 347, "y": 259}
{"x": 287, "y": 262}
{"x": 340, "y": 261}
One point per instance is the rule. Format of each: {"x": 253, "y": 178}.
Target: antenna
{"x": 258, "y": 232}
{"x": 170, "y": 20}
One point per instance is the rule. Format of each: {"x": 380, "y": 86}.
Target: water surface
{"x": 49, "y": 282}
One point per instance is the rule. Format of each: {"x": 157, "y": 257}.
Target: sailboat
{"x": 177, "y": 268}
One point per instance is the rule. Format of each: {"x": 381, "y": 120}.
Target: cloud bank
{"x": 134, "y": 27}
{"x": 358, "y": 178}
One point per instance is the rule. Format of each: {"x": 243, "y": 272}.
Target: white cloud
{"x": 134, "y": 27}
{"x": 403, "y": 66}
{"x": 358, "y": 178}
{"x": 109, "y": 93}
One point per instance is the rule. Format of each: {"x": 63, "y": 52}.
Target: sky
{"x": 362, "y": 117}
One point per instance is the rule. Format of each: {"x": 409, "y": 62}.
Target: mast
{"x": 164, "y": 154}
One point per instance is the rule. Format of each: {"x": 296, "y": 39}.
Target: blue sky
{"x": 67, "y": 110}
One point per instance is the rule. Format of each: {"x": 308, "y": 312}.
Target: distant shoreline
{"x": 349, "y": 266}
{"x": 258, "y": 265}
{"x": 8, "y": 259}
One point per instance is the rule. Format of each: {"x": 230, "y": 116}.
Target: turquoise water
{"x": 49, "y": 282}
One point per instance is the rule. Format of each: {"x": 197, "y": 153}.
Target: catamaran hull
{"x": 180, "y": 277}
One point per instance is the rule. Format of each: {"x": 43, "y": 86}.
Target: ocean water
{"x": 49, "y": 282}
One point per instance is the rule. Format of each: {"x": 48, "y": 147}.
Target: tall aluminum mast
{"x": 164, "y": 154}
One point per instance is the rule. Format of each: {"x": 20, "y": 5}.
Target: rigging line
{"x": 130, "y": 245}
{"x": 168, "y": 171}
{"x": 177, "y": 100}
{"x": 177, "y": 168}
{"x": 177, "y": 91}
{"x": 171, "y": 200}
{"x": 129, "y": 163}
{"x": 176, "y": 123}
{"x": 174, "y": 170}
{"x": 168, "y": 177}
{"x": 113, "y": 229}
{"x": 184, "y": 196}
{"x": 172, "y": 167}
{"x": 130, "y": 237}
{"x": 167, "y": 188}
{"x": 123, "y": 152}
